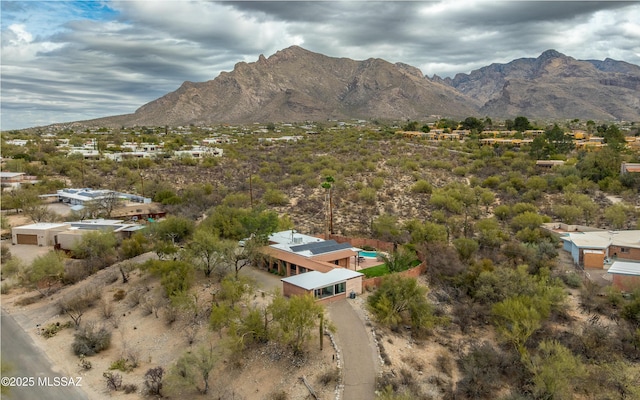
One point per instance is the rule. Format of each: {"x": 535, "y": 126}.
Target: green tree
{"x": 134, "y": 245}
{"x": 209, "y": 251}
{"x": 490, "y": 234}
{"x": 401, "y": 300}
{"x": 46, "y": 271}
{"x": 175, "y": 229}
{"x": 521, "y": 124}
{"x": 516, "y": 319}
{"x": 556, "y": 371}
{"x": 385, "y": 227}
{"x": 176, "y": 277}
{"x": 616, "y": 215}
{"x": 473, "y": 124}
{"x": 97, "y": 248}
{"x": 194, "y": 368}
{"x": 296, "y": 318}
{"x": 427, "y": 232}
{"x": 557, "y": 141}
{"x": 237, "y": 223}
{"x": 400, "y": 260}
{"x": 614, "y": 138}
{"x": 466, "y": 248}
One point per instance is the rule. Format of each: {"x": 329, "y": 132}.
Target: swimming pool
{"x": 370, "y": 254}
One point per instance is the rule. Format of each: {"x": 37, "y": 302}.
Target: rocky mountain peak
{"x": 295, "y": 84}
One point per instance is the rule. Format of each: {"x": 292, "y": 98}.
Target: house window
{"x": 326, "y": 291}
{"x": 624, "y": 250}
{"x": 330, "y": 290}
{"x": 293, "y": 269}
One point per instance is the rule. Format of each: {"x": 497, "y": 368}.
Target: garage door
{"x": 27, "y": 239}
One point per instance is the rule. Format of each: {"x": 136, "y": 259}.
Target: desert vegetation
{"x": 504, "y": 316}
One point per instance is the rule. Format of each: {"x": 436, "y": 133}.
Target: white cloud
{"x": 78, "y": 60}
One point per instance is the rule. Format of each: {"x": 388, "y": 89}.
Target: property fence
{"x": 372, "y": 283}
{"x": 362, "y": 242}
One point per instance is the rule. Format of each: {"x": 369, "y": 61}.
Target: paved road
{"x": 358, "y": 351}
{"x": 265, "y": 280}
{"x": 26, "y": 360}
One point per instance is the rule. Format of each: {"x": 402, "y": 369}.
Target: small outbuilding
{"x": 626, "y": 275}
{"x": 324, "y": 286}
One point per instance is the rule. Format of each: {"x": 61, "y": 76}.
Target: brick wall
{"x": 372, "y": 283}
{"x": 632, "y": 253}
{"x": 626, "y": 283}
{"x": 362, "y": 242}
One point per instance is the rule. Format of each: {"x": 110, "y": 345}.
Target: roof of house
{"x": 310, "y": 246}
{"x": 314, "y": 279}
{"x": 603, "y": 239}
{"x": 625, "y": 268}
{"x": 10, "y": 174}
{"x": 42, "y": 226}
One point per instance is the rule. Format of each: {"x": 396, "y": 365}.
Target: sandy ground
{"x": 259, "y": 375}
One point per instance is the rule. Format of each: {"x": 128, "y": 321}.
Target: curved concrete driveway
{"x": 358, "y": 351}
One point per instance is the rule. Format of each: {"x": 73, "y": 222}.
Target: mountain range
{"x": 295, "y": 84}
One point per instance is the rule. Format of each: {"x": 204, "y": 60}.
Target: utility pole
{"x": 327, "y": 184}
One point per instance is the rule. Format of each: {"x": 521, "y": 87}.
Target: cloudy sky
{"x": 74, "y": 60}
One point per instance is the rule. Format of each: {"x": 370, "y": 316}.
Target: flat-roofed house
{"x": 293, "y": 254}
{"x": 39, "y": 234}
{"x": 587, "y": 248}
{"x": 329, "y": 286}
{"x": 626, "y": 275}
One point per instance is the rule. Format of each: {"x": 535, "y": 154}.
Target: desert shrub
{"x": 119, "y": 295}
{"x": 90, "y": 340}
{"x": 279, "y": 395}
{"x": 614, "y": 297}
{"x": 481, "y": 369}
{"x": 414, "y": 363}
{"x": 106, "y": 308}
{"x": 274, "y": 197}
{"x": 75, "y": 271}
{"x": 444, "y": 363}
{"x": 5, "y": 288}
{"x": 134, "y": 298}
{"x": 130, "y": 388}
{"x": 631, "y": 310}
{"x": 170, "y": 314}
{"x": 330, "y": 376}
{"x": 367, "y": 195}
{"x": 52, "y": 329}
{"x": 85, "y": 364}
{"x": 153, "y": 381}
{"x": 422, "y": 186}
{"x": 25, "y": 301}
{"x": 572, "y": 279}
{"x": 113, "y": 380}
{"x": 124, "y": 364}
{"x": 5, "y": 253}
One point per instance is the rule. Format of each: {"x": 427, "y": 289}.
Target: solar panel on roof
{"x": 329, "y": 249}
{"x": 326, "y": 246}
{"x": 309, "y": 246}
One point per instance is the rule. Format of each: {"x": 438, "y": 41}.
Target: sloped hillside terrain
{"x": 295, "y": 84}
{"x": 555, "y": 86}
{"x": 298, "y": 85}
